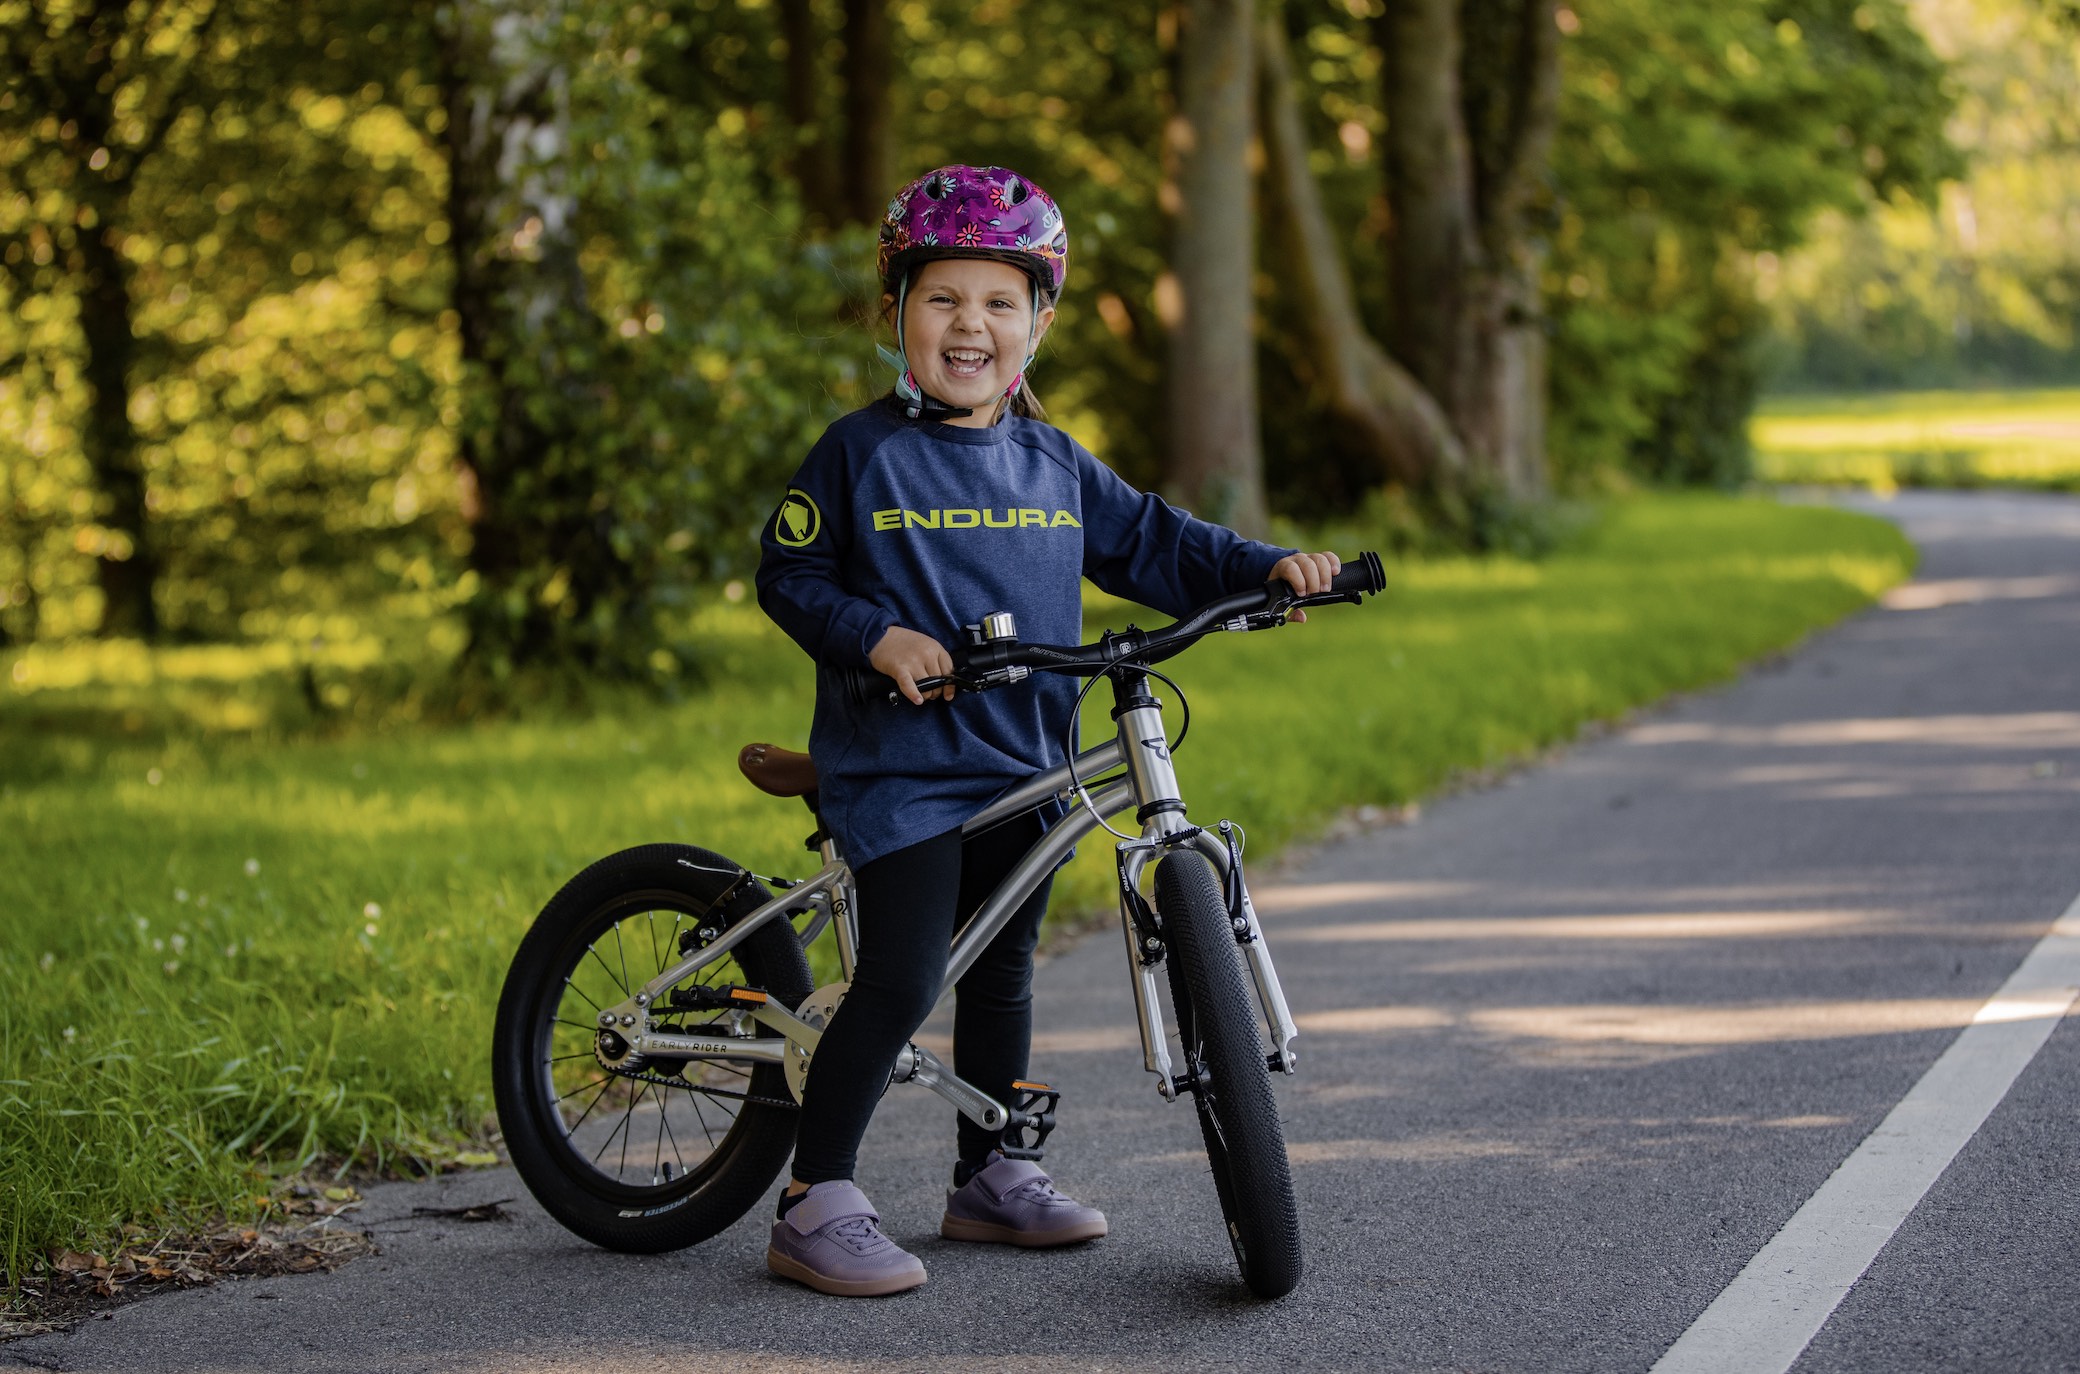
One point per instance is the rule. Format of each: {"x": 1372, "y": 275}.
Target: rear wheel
{"x": 1217, "y": 1023}
{"x": 634, "y": 1155}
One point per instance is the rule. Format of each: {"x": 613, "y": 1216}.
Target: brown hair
{"x": 1025, "y": 403}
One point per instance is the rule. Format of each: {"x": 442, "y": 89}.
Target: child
{"x": 945, "y": 501}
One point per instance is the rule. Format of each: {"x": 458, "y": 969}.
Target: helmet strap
{"x": 917, "y": 403}
{"x": 1031, "y": 354}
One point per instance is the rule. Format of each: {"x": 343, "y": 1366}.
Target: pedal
{"x": 1032, "y": 1111}
{"x": 724, "y": 996}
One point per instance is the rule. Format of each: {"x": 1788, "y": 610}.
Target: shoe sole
{"x": 952, "y": 1227}
{"x": 789, "y": 1268}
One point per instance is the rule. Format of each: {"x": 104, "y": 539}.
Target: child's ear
{"x": 888, "y": 309}
{"x": 1040, "y": 326}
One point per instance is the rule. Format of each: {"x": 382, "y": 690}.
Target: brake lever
{"x": 961, "y": 683}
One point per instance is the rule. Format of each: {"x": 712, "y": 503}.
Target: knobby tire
{"x": 624, "y": 890}
{"x": 1217, "y": 1024}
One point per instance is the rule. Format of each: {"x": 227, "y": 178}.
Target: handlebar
{"x": 979, "y": 667}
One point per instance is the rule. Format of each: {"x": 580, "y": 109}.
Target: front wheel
{"x": 631, "y": 1154}
{"x": 1217, "y": 1023}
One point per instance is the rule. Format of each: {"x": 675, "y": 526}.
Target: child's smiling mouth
{"x": 966, "y": 363}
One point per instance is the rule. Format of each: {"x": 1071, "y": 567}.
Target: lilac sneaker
{"x": 829, "y": 1240}
{"x": 1014, "y": 1201}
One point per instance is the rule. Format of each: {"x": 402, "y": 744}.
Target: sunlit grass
{"x": 230, "y": 950}
{"x": 1922, "y": 439}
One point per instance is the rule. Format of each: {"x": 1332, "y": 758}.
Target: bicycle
{"x": 724, "y": 1019}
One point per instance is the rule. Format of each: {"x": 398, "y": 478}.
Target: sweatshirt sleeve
{"x": 1139, "y": 546}
{"x": 801, "y": 565}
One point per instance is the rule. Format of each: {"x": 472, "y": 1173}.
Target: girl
{"x": 945, "y": 501}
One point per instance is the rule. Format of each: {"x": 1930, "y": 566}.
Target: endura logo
{"x": 962, "y": 518}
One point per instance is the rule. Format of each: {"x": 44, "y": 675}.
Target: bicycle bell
{"x": 1000, "y": 628}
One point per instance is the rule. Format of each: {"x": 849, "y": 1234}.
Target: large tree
{"x": 1449, "y": 402}
{"x": 553, "y": 579}
{"x": 92, "y": 88}
{"x": 1470, "y": 93}
{"x": 1216, "y": 459}
{"x": 866, "y": 134}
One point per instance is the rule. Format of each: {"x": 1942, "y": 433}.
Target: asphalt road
{"x": 1575, "y": 1049}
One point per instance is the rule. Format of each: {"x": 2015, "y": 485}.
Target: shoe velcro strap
{"x": 1005, "y": 1176}
{"x": 826, "y": 1204}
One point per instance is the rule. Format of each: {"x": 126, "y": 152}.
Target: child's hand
{"x": 906, "y": 656}
{"x": 1308, "y": 574}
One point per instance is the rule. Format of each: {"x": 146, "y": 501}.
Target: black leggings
{"x": 909, "y": 904}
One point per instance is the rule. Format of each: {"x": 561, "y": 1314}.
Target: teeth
{"x": 963, "y": 355}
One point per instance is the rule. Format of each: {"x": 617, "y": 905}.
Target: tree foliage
{"x": 1693, "y": 139}
{"x": 1981, "y": 283}
{"x": 370, "y": 380}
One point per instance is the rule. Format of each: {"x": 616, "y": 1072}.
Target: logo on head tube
{"x": 798, "y": 521}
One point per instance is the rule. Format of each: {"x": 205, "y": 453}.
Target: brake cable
{"x": 1076, "y": 716}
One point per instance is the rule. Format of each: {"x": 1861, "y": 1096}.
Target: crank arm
{"x": 919, "y": 1065}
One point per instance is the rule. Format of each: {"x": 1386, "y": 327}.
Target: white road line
{"x": 1775, "y": 1306}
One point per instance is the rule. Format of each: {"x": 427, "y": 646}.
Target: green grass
{"x": 1922, "y": 439}
{"x": 231, "y": 952}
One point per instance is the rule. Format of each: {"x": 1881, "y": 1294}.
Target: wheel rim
{"x": 630, "y": 1137}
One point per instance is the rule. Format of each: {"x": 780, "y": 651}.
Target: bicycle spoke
{"x": 650, "y": 924}
{"x": 664, "y": 1107}
{"x": 621, "y": 951}
{"x": 606, "y": 969}
{"x": 629, "y": 1123}
{"x": 673, "y": 1136}
{"x": 604, "y": 1086}
{"x": 582, "y": 1087}
{"x": 609, "y": 1140}
{"x": 702, "y": 1118}
{"x": 671, "y": 944}
{"x": 581, "y": 992}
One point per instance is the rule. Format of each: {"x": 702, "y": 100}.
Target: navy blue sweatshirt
{"x": 932, "y": 527}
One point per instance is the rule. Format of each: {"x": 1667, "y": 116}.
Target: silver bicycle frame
{"x": 1149, "y": 787}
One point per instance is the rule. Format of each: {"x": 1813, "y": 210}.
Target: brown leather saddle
{"x": 776, "y": 771}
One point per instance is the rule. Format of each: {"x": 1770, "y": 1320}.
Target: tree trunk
{"x": 1376, "y": 398}
{"x": 1511, "y": 93}
{"x": 128, "y": 565}
{"x": 1434, "y": 251}
{"x": 550, "y": 582}
{"x": 803, "y": 76}
{"x": 1469, "y": 130}
{"x": 1216, "y": 458}
{"x": 869, "y": 74}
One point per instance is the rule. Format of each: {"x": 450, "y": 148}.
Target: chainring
{"x": 816, "y": 1011}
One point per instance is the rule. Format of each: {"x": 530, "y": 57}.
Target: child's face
{"x": 967, "y": 325}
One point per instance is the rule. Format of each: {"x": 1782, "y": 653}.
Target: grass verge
{"x": 227, "y": 955}
{"x": 2028, "y": 439}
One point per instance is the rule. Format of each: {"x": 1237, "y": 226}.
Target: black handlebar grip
{"x": 864, "y": 685}
{"x": 1366, "y": 575}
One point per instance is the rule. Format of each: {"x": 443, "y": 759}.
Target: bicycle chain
{"x": 661, "y": 1081}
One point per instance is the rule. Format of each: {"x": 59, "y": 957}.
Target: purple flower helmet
{"x": 975, "y": 212}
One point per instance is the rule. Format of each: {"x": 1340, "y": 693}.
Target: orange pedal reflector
{"x": 746, "y": 995}
{"x": 1033, "y": 1087}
